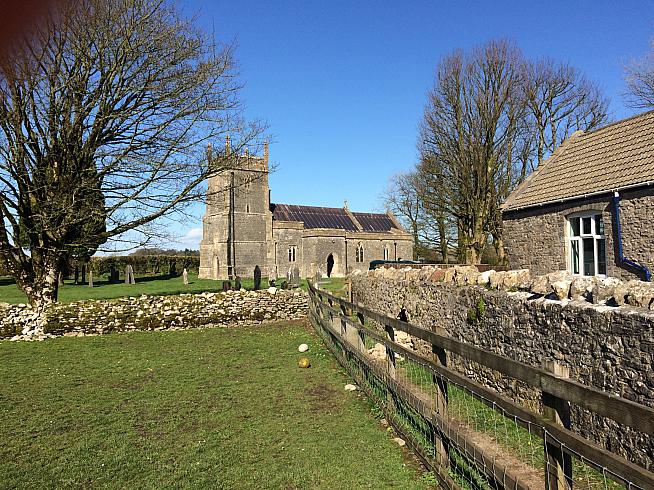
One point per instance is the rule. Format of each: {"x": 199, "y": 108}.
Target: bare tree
{"x": 639, "y": 75}
{"x": 469, "y": 122}
{"x": 560, "y": 101}
{"x": 105, "y": 112}
{"x": 404, "y": 199}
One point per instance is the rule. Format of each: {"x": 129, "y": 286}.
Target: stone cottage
{"x": 589, "y": 208}
{"x": 242, "y": 229}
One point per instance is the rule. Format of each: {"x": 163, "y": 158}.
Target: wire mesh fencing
{"x": 470, "y": 436}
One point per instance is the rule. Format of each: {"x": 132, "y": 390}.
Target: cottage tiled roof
{"x": 617, "y": 156}
{"x": 335, "y": 218}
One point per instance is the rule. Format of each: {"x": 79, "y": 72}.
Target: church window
{"x": 386, "y": 252}
{"x": 292, "y": 253}
{"x": 359, "y": 253}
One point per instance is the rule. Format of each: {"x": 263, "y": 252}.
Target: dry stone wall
{"x": 611, "y": 348}
{"x": 230, "y": 308}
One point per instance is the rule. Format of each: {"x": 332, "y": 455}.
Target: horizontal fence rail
{"x": 468, "y": 434}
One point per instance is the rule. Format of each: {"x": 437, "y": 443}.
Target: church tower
{"x": 237, "y": 225}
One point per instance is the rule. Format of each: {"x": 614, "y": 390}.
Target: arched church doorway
{"x": 330, "y": 265}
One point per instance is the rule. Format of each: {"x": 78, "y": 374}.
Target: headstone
{"x": 295, "y": 276}
{"x": 113, "y": 274}
{"x": 185, "y": 277}
{"x": 129, "y": 274}
{"x": 237, "y": 283}
{"x": 257, "y": 278}
{"x": 227, "y": 286}
{"x": 90, "y": 278}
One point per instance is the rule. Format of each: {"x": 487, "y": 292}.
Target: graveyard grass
{"x": 203, "y": 408}
{"x": 150, "y": 285}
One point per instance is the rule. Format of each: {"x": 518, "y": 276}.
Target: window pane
{"x": 599, "y": 225}
{"x": 574, "y": 226}
{"x": 586, "y": 223}
{"x": 574, "y": 256}
{"x": 589, "y": 256}
{"x": 601, "y": 256}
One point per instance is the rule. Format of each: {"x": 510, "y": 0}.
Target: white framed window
{"x": 586, "y": 245}
{"x": 292, "y": 253}
{"x": 386, "y": 252}
{"x": 359, "y": 253}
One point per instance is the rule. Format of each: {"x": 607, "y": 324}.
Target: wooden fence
{"x": 430, "y": 405}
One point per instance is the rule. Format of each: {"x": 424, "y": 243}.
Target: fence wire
{"x": 469, "y": 440}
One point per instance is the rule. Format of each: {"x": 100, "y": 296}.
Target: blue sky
{"x": 342, "y": 84}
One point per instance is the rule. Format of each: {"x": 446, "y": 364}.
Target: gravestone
{"x": 295, "y": 277}
{"x": 113, "y": 275}
{"x": 257, "y": 278}
{"x": 129, "y": 275}
{"x": 237, "y": 283}
{"x": 185, "y": 277}
{"x": 227, "y": 286}
{"x": 90, "y": 278}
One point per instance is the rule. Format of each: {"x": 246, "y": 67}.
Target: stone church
{"x": 242, "y": 229}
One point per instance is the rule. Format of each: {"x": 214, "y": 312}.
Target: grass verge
{"x": 214, "y": 408}
{"x": 150, "y": 285}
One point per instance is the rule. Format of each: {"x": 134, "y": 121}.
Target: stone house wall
{"x": 535, "y": 238}
{"x": 609, "y": 348}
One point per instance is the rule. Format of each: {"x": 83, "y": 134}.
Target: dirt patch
{"x": 322, "y": 398}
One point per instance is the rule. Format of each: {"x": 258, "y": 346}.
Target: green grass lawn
{"x": 150, "y": 285}
{"x": 214, "y": 408}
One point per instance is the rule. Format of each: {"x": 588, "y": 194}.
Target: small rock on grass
{"x": 350, "y": 387}
{"x": 303, "y": 348}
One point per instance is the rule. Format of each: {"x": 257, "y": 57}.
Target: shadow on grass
{"x": 7, "y": 281}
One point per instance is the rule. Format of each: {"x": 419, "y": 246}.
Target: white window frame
{"x": 292, "y": 253}
{"x": 387, "y": 252}
{"x": 596, "y": 234}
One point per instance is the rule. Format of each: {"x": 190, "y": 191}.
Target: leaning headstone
{"x": 185, "y": 277}
{"x": 295, "y": 276}
{"x": 227, "y": 286}
{"x": 90, "y": 278}
{"x": 237, "y": 282}
{"x": 257, "y": 278}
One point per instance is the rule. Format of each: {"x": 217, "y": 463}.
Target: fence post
{"x": 558, "y": 464}
{"x": 440, "y": 405}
